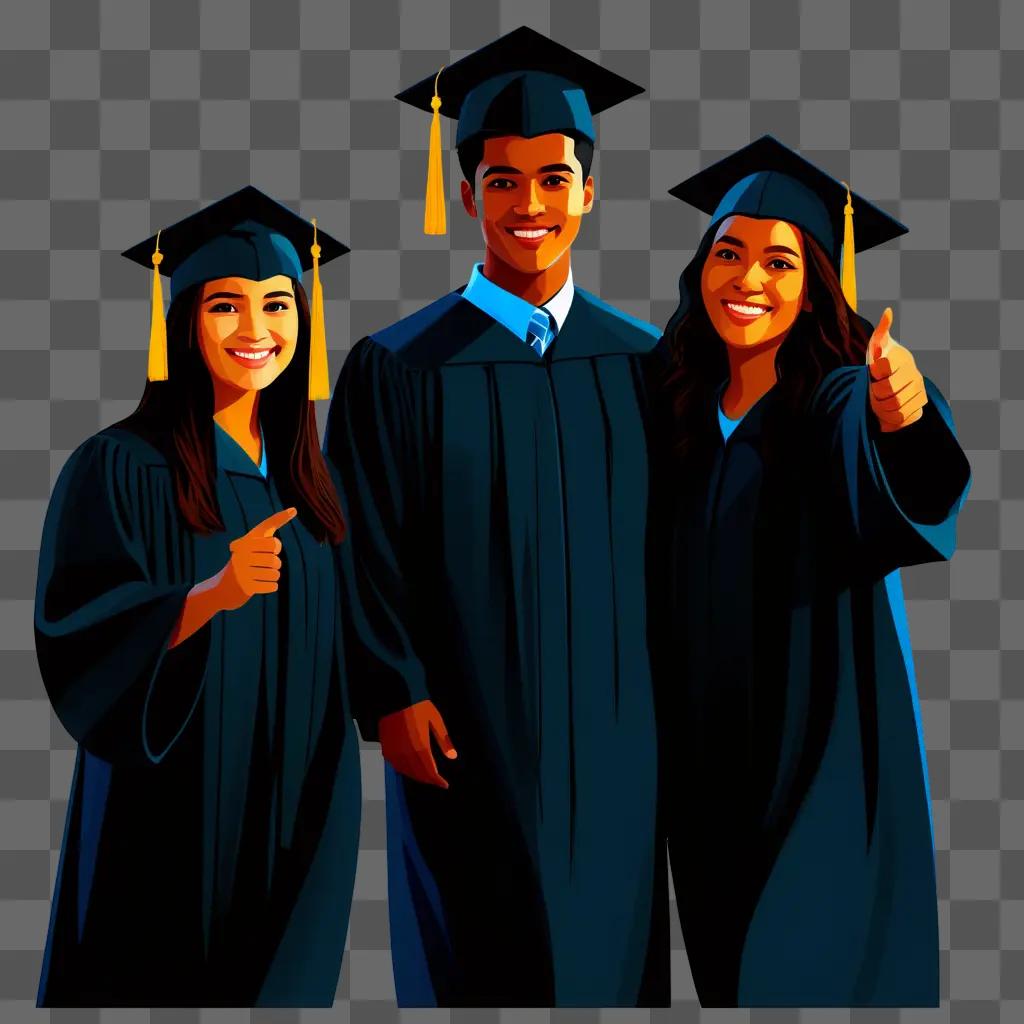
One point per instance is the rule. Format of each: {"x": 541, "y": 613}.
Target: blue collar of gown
{"x": 231, "y": 457}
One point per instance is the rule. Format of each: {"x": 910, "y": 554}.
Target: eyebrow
{"x": 502, "y": 169}
{"x": 556, "y": 167}
{"x": 235, "y": 295}
{"x": 782, "y": 248}
{"x": 729, "y": 240}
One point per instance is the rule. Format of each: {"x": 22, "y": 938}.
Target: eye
{"x": 727, "y": 254}
{"x": 501, "y": 183}
{"x": 780, "y": 264}
{"x": 223, "y": 307}
{"x": 554, "y": 180}
{"x": 277, "y": 306}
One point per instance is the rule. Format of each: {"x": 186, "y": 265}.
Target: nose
{"x": 533, "y": 205}
{"x": 252, "y": 325}
{"x": 753, "y": 280}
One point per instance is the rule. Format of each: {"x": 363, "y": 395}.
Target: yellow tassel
{"x": 848, "y": 261}
{"x": 319, "y": 381}
{"x": 434, "y": 222}
{"x": 157, "y": 369}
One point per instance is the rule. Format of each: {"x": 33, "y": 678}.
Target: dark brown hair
{"x": 177, "y": 415}
{"x": 828, "y": 336}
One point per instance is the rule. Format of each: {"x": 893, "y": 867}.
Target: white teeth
{"x": 535, "y": 233}
{"x": 745, "y": 310}
{"x": 253, "y": 357}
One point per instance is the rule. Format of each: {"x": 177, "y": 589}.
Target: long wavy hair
{"x": 822, "y": 339}
{"x": 177, "y": 415}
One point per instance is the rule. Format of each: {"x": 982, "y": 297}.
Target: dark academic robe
{"x": 800, "y": 828}
{"x": 212, "y": 829}
{"x": 497, "y": 507}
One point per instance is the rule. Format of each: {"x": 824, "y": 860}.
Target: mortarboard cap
{"x": 768, "y": 179}
{"x": 246, "y": 234}
{"x": 521, "y": 84}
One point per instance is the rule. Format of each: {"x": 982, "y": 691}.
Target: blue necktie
{"x": 540, "y": 332}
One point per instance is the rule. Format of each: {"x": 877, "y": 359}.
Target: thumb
{"x": 440, "y": 731}
{"x": 273, "y": 523}
{"x": 879, "y": 337}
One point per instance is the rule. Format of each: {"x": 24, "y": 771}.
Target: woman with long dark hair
{"x": 188, "y": 631}
{"x": 808, "y": 460}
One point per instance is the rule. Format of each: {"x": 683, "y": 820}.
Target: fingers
{"x": 262, "y": 560}
{"x": 895, "y": 382}
{"x": 418, "y": 764}
{"x": 257, "y": 545}
{"x": 440, "y": 733}
{"x": 907, "y": 413}
{"x": 898, "y": 401}
{"x": 264, "y": 588}
{"x": 274, "y": 522}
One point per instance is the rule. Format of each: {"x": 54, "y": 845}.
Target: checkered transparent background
{"x": 118, "y": 117}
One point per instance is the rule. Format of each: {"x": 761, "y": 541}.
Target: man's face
{"x": 530, "y": 196}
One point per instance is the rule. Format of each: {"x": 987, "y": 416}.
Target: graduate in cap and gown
{"x": 810, "y": 460}
{"x": 189, "y": 634}
{"x": 492, "y": 449}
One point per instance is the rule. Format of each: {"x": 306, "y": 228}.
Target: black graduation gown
{"x": 497, "y": 509}
{"x": 799, "y": 818}
{"x": 212, "y": 829}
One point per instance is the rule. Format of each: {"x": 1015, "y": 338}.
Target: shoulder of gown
{"x": 432, "y": 335}
{"x": 630, "y": 331}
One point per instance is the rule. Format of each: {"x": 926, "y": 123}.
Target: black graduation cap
{"x": 246, "y": 234}
{"x": 768, "y": 179}
{"x": 521, "y": 84}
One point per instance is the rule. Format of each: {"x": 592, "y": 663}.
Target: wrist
{"x": 209, "y": 593}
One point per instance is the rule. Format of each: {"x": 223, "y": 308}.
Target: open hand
{"x": 898, "y": 396}
{"x": 405, "y": 742}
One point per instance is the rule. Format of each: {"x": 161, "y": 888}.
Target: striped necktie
{"x": 541, "y": 330}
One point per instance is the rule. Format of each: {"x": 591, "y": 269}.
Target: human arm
{"x": 898, "y": 475}
{"x": 375, "y": 442}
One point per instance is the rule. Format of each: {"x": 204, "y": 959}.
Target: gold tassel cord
{"x": 434, "y": 220}
{"x": 319, "y": 381}
{"x": 157, "y": 369}
{"x": 848, "y": 260}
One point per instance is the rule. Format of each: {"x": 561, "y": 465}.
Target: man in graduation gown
{"x": 492, "y": 451}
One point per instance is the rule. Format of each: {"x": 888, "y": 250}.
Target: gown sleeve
{"x": 102, "y": 621}
{"x": 372, "y": 443}
{"x": 897, "y": 494}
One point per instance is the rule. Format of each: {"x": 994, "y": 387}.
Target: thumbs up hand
{"x": 897, "y": 390}
{"x": 254, "y": 566}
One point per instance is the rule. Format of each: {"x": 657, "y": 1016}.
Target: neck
{"x": 237, "y": 412}
{"x": 535, "y": 288}
{"x": 751, "y": 375}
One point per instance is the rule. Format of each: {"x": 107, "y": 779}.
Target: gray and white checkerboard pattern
{"x": 118, "y": 117}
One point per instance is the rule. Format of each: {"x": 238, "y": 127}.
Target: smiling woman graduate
{"x": 812, "y": 460}
{"x": 188, "y": 633}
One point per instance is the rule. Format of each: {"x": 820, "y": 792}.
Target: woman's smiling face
{"x": 248, "y": 330}
{"x": 753, "y": 281}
